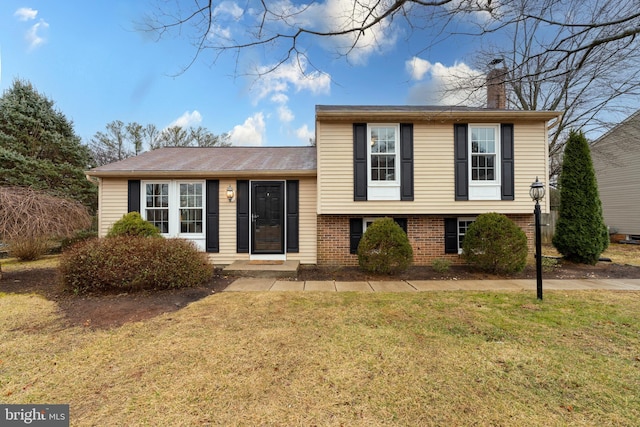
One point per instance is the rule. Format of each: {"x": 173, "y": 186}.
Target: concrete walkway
{"x": 246, "y": 284}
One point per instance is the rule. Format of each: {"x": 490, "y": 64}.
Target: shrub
{"x": 132, "y": 224}
{"x": 384, "y": 248}
{"x": 27, "y": 248}
{"x": 580, "y": 235}
{"x": 78, "y": 237}
{"x": 133, "y": 263}
{"x": 495, "y": 244}
{"x": 441, "y": 265}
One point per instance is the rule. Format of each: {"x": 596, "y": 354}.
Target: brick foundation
{"x": 425, "y": 232}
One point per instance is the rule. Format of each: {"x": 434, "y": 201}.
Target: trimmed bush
{"x": 581, "y": 234}
{"x": 133, "y": 263}
{"x": 384, "y": 248}
{"x": 495, "y": 244}
{"x": 132, "y": 224}
{"x": 441, "y": 265}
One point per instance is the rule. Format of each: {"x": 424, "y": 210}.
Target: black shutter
{"x": 406, "y": 161}
{"x": 506, "y": 153}
{"x": 242, "y": 216}
{"x": 133, "y": 196}
{"x": 460, "y": 150}
{"x": 359, "y": 161}
{"x": 293, "y": 216}
{"x": 402, "y": 222}
{"x": 450, "y": 235}
{"x": 213, "y": 216}
{"x": 355, "y": 234}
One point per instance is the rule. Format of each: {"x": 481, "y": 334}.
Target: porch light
{"x": 536, "y": 191}
{"x": 230, "y": 194}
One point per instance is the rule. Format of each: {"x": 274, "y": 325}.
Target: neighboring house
{"x": 433, "y": 169}
{"x": 616, "y": 160}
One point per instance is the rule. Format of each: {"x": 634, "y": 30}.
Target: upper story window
{"x": 484, "y": 153}
{"x": 484, "y": 162}
{"x": 383, "y": 153}
{"x": 175, "y": 208}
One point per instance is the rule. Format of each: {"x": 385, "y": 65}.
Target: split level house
{"x": 616, "y": 160}
{"x": 432, "y": 169}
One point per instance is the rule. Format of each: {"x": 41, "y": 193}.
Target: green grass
{"x": 445, "y": 358}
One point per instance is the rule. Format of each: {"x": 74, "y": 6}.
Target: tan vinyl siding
{"x": 307, "y": 224}
{"x": 112, "y": 203}
{"x": 433, "y": 172}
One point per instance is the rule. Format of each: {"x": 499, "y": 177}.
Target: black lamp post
{"x": 537, "y": 193}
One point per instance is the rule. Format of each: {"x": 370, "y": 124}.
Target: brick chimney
{"x": 496, "y": 90}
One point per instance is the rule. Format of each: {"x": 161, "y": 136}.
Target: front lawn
{"x": 446, "y": 358}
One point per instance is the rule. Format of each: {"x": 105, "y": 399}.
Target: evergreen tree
{"x": 39, "y": 148}
{"x": 581, "y": 235}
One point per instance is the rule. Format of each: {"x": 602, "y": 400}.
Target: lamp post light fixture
{"x": 230, "y": 193}
{"x": 536, "y": 191}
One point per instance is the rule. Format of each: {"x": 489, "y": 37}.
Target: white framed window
{"x": 191, "y": 208}
{"x": 156, "y": 205}
{"x": 463, "y": 226}
{"x": 384, "y": 161}
{"x": 176, "y": 208}
{"x": 484, "y": 162}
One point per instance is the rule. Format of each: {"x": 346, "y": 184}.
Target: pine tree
{"x": 39, "y": 147}
{"x": 581, "y": 235}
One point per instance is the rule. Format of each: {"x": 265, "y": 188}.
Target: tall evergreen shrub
{"x": 580, "y": 235}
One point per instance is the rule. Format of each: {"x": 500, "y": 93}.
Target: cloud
{"x": 34, "y": 37}
{"x": 285, "y": 114}
{"x": 304, "y": 134}
{"x": 187, "y": 119}
{"x": 293, "y": 75}
{"x": 417, "y": 67}
{"x": 25, "y": 14}
{"x": 335, "y": 16}
{"x": 228, "y": 8}
{"x": 438, "y": 84}
{"x": 250, "y": 133}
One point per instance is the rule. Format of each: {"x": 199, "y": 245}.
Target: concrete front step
{"x": 278, "y": 270}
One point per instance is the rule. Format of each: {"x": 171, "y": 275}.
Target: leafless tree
{"x": 29, "y": 218}
{"x": 575, "y": 56}
{"x": 289, "y": 30}
{"x": 589, "y": 85}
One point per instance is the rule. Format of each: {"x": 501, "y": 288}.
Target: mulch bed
{"x": 109, "y": 310}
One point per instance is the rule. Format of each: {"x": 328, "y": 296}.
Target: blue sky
{"x": 88, "y": 57}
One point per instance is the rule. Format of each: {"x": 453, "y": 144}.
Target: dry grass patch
{"x": 446, "y": 358}
{"x": 13, "y": 264}
{"x": 623, "y": 253}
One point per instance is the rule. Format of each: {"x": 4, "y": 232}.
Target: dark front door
{"x": 267, "y": 217}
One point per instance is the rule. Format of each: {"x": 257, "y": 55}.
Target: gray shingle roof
{"x": 234, "y": 161}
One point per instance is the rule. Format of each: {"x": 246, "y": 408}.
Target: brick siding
{"x": 425, "y": 232}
